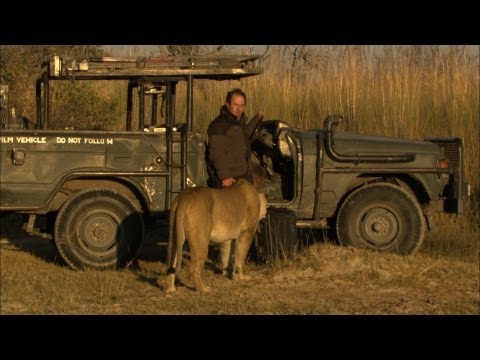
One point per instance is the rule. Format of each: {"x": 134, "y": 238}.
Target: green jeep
{"x": 91, "y": 192}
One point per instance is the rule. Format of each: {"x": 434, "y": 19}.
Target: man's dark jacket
{"x": 229, "y": 144}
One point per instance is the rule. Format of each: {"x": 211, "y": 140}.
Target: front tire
{"x": 98, "y": 229}
{"x": 383, "y": 217}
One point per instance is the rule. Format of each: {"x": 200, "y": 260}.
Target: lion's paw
{"x": 241, "y": 277}
{"x": 170, "y": 290}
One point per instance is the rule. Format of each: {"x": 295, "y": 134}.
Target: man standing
{"x": 229, "y": 140}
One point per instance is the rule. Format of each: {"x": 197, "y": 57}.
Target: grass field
{"x": 321, "y": 278}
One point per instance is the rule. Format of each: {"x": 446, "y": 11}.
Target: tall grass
{"x": 407, "y": 91}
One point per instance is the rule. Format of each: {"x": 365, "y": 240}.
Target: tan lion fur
{"x": 203, "y": 214}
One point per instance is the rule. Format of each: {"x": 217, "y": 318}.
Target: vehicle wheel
{"x": 99, "y": 229}
{"x": 381, "y": 216}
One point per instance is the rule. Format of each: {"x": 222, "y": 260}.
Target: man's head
{"x": 235, "y": 102}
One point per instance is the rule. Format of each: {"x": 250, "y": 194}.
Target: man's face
{"x": 236, "y": 105}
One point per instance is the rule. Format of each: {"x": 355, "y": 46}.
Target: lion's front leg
{"x": 226, "y": 256}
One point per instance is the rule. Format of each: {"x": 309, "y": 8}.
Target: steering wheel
{"x": 262, "y": 144}
{"x": 257, "y": 120}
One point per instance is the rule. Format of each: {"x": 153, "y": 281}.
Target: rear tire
{"x": 383, "y": 217}
{"x": 98, "y": 229}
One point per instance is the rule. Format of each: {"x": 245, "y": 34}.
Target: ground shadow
{"x": 308, "y": 237}
{"x": 153, "y": 249}
{"x": 13, "y": 237}
{"x": 155, "y": 245}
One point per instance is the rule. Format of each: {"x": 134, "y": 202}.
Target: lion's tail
{"x": 176, "y": 236}
{"x": 172, "y": 246}
{"x": 180, "y": 234}
{"x": 176, "y": 239}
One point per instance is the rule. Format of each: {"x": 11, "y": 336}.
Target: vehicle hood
{"x": 350, "y": 143}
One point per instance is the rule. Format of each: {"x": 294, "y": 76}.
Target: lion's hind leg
{"x": 170, "y": 282}
{"x": 198, "y": 239}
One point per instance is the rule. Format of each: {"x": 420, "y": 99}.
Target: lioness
{"x": 204, "y": 214}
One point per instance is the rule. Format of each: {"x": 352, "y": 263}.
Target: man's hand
{"x": 255, "y": 125}
{"x": 228, "y": 182}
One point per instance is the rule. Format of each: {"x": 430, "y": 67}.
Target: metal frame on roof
{"x": 110, "y": 68}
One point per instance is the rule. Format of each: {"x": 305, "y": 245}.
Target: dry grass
{"x": 456, "y": 237}
{"x": 320, "y": 279}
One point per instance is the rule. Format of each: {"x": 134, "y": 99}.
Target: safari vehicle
{"x": 92, "y": 192}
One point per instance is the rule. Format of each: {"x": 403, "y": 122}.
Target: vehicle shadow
{"x": 13, "y": 237}
{"x": 153, "y": 249}
{"x": 155, "y": 246}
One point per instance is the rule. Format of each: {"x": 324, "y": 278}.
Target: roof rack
{"x": 104, "y": 68}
